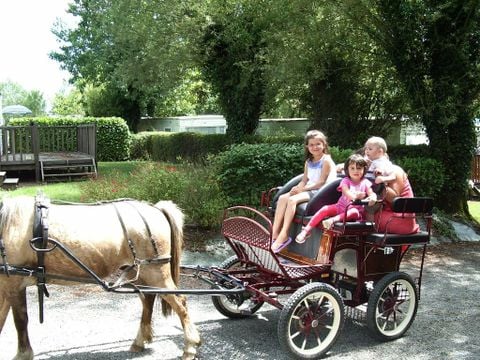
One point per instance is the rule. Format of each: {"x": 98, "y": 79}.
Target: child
{"x": 353, "y": 186}
{"x": 318, "y": 170}
{"x": 380, "y": 165}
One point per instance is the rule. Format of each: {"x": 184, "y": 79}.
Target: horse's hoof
{"x": 136, "y": 349}
{"x": 188, "y": 356}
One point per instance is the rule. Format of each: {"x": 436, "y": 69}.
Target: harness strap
{"x": 147, "y": 227}
{"x": 4, "y": 257}
{"x": 40, "y": 231}
{"x": 125, "y": 233}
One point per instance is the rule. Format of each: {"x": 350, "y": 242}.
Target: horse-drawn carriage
{"x": 352, "y": 264}
{"x": 133, "y": 247}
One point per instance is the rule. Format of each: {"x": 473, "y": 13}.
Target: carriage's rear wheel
{"x": 235, "y": 306}
{"x": 392, "y": 306}
{"x": 311, "y": 320}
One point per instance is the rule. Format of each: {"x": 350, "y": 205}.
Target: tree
{"x": 15, "y": 94}
{"x": 69, "y": 103}
{"x": 319, "y": 61}
{"x": 434, "y": 47}
{"x": 138, "y": 50}
{"x": 233, "y": 59}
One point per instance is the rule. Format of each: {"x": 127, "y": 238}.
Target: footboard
{"x": 249, "y": 234}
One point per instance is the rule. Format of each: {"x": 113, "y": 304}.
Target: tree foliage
{"x": 136, "y": 49}
{"x": 233, "y": 59}
{"x": 15, "y": 94}
{"x": 434, "y": 47}
{"x": 68, "y": 103}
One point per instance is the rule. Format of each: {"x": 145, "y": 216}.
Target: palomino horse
{"x": 105, "y": 238}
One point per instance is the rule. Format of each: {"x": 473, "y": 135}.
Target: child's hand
{"x": 295, "y": 190}
{"x": 360, "y": 195}
{"x": 372, "y": 199}
{"x": 379, "y": 179}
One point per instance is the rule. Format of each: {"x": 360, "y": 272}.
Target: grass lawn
{"x": 71, "y": 191}
{"x": 474, "y": 208}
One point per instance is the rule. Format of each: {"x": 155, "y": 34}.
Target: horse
{"x": 105, "y": 237}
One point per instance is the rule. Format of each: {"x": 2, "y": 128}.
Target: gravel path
{"x": 85, "y": 323}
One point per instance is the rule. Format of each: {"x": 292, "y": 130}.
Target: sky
{"x": 25, "y": 42}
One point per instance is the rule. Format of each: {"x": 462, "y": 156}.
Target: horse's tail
{"x": 175, "y": 218}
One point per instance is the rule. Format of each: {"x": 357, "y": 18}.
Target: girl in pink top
{"x": 353, "y": 187}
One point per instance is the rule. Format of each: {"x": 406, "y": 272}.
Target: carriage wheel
{"x": 235, "y": 306}
{"x": 311, "y": 320}
{"x": 392, "y": 306}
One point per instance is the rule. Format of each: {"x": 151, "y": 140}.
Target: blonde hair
{"x": 379, "y": 142}
{"x": 311, "y": 134}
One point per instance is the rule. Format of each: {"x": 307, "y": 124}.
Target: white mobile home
{"x": 205, "y": 124}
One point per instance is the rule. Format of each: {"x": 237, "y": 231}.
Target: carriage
{"x": 352, "y": 265}
{"x": 135, "y": 247}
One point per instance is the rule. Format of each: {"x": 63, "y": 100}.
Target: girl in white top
{"x": 319, "y": 169}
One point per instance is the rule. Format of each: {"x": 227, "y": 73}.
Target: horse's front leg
{"x": 18, "y": 302}
{"x": 4, "y": 309}
{"x": 192, "y": 337}
{"x": 145, "y": 333}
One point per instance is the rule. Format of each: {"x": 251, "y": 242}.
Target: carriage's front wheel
{"x": 311, "y": 320}
{"x": 392, "y": 306}
{"x": 235, "y": 306}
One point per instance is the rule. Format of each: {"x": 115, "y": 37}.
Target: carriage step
{"x": 2, "y": 175}
{"x": 10, "y": 183}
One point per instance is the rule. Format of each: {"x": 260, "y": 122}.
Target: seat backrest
{"x": 327, "y": 195}
{"x": 416, "y": 205}
{"x": 285, "y": 188}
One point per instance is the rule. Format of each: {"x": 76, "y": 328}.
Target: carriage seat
{"x": 421, "y": 237}
{"x": 416, "y": 207}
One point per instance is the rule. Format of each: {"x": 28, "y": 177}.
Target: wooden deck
{"x": 54, "y": 152}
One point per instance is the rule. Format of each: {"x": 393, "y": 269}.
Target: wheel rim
{"x": 314, "y": 323}
{"x": 395, "y": 308}
{"x": 235, "y": 303}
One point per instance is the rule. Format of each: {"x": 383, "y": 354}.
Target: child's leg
{"x": 279, "y": 214}
{"x": 352, "y": 214}
{"x": 324, "y": 212}
{"x": 290, "y": 209}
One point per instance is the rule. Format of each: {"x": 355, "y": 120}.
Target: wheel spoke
{"x": 293, "y": 336}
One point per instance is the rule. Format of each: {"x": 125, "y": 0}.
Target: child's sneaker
{"x": 302, "y": 236}
{"x": 327, "y": 223}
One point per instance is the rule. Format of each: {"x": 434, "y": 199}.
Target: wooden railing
{"x": 19, "y": 143}
{"x": 475, "y": 177}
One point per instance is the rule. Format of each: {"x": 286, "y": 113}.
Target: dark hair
{"x": 357, "y": 160}
{"x": 311, "y": 134}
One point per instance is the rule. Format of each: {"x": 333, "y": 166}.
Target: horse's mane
{"x": 15, "y": 209}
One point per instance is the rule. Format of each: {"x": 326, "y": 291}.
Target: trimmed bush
{"x": 425, "y": 175}
{"x": 113, "y": 136}
{"x": 245, "y": 170}
{"x": 177, "y": 147}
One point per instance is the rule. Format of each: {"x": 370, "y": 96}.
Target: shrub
{"x": 420, "y": 173}
{"x": 189, "y": 187}
{"x": 408, "y": 151}
{"x": 176, "y": 147}
{"x": 245, "y": 170}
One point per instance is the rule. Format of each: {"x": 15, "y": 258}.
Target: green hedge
{"x": 113, "y": 136}
{"x": 245, "y": 170}
{"x": 177, "y": 147}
